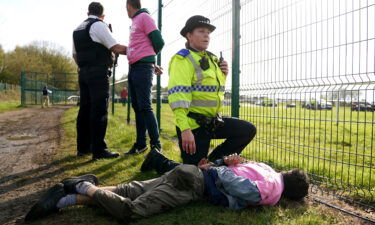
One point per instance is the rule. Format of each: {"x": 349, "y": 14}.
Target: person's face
{"x": 199, "y": 38}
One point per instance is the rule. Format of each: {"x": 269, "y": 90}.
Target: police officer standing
{"x": 93, "y": 50}
{"x": 196, "y": 93}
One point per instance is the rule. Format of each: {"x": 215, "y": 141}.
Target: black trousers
{"x": 237, "y": 134}
{"x": 93, "y": 109}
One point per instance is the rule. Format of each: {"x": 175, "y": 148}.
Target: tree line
{"x": 37, "y": 57}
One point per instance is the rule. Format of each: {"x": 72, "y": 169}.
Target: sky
{"x": 268, "y": 54}
{"x": 25, "y": 21}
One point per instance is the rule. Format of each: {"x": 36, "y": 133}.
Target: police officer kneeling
{"x": 196, "y": 93}
{"x": 92, "y": 51}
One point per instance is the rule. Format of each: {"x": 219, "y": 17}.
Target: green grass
{"x": 120, "y": 137}
{"x": 9, "y": 106}
{"x": 10, "y": 100}
{"x": 335, "y": 147}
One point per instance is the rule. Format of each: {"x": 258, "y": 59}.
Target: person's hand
{"x": 119, "y": 49}
{"x": 203, "y": 161}
{"x": 158, "y": 70}
{"x": 233, "y": 159}
{"x": 188, "y": 142}
{"x": 224, "y": 67}
{"x": 205, "y": 166}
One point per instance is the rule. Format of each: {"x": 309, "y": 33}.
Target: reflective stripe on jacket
{"x": 192, "y": 89}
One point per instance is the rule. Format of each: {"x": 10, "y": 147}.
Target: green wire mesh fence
{"x": 306, "y": 80}
{"x": 63, "y": 86}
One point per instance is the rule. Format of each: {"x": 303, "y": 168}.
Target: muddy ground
{"x": 29, "y": 138}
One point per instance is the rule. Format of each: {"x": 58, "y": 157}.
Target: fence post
{"x": 129, "y": 100}
{"x": 113, "y": 89}
{"x": 23, "y": 94}
{"x": 236, "y": 7}
{"x": 158, "y": 92}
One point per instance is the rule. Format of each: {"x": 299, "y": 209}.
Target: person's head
{"x": 96, "y": 9}
{"x": 197, "y": 32}
{"x": 132, "y": 6}
{"x": 296, "y": 184}
{"x": 45, "y": 87}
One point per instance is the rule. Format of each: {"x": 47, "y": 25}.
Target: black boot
{"x": 154, "y": 160}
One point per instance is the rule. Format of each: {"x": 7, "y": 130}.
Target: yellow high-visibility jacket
{"x": 192, "y": 89}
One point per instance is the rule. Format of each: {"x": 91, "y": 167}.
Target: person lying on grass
{"x": 231, "y": 182}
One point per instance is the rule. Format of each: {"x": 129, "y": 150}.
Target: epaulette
{"x": 183, "y": 52}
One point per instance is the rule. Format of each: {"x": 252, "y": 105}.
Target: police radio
{"x": 116, "y": 55}
{"x": 221, "y": 58}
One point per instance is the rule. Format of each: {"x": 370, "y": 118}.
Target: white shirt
{"x": 99, "y": 32}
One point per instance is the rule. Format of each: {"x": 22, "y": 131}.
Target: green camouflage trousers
{"x": 140, "y": 199}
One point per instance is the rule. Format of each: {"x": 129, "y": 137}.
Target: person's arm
{"x": 230, "y": 160}
{"x": 233, "y": 159}
{"x": 153, "y": 33}
{"x": 239, "y": 187}
{"x": 156, "y": 40}
{"x": 204, "y": 164}
{"x": 179, "y": 96}
{"x": 119, "y": 49}
{"x": 100, "y": 33}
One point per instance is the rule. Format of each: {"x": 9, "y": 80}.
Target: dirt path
{"x": 29, "y": 138}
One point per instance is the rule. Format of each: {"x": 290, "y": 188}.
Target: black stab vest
{"x": 89, "y": 52}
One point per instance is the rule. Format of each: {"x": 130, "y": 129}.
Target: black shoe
{"x": 136, "y": 150}
{"x": 47, "y": 203}
{"x": 157, "y": 147}
{"x": 148, "y": 163}
{"x": 71, "y": 182}
{"x": 106, "y": 154}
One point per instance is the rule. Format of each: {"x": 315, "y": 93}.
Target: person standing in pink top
{"x": 144, "y": 44}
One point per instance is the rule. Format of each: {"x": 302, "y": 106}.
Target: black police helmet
{"x": 194, "y": 22}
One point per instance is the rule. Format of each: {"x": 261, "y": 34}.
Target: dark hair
{"x": 96, "y": 9}
{"x": 296, "y": 184}
{"x": 136, "y": 4}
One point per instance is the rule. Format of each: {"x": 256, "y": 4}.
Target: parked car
{"x": 325, "y": 104}
{"x": 318, "y": 105}
{"x": 73, "y": 99}
{"x": 164, "y": 99}
{"x": 362, "y": 106}
{"x": 291, "y": 105}
{"x": 269, "y": 103}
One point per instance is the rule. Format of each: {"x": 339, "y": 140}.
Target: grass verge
{"x": 9, "y": 100}
{"x": 120, "y": 137}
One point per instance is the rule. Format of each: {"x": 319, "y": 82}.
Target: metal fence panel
{"x": 64, "y": 87}
{"x": 307, "y": 81}
{"x": 5, "y": 86}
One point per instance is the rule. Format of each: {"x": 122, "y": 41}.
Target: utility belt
{"x": 83, "y": 68}
{"x": 138, "y": 63}
{"x": 208, "y": 123}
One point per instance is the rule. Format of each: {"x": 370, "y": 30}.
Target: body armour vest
{"x": 89, "y": 52}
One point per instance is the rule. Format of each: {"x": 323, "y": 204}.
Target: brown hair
{"x": 136, "y": 4}
{"x": 296, "y": 184}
